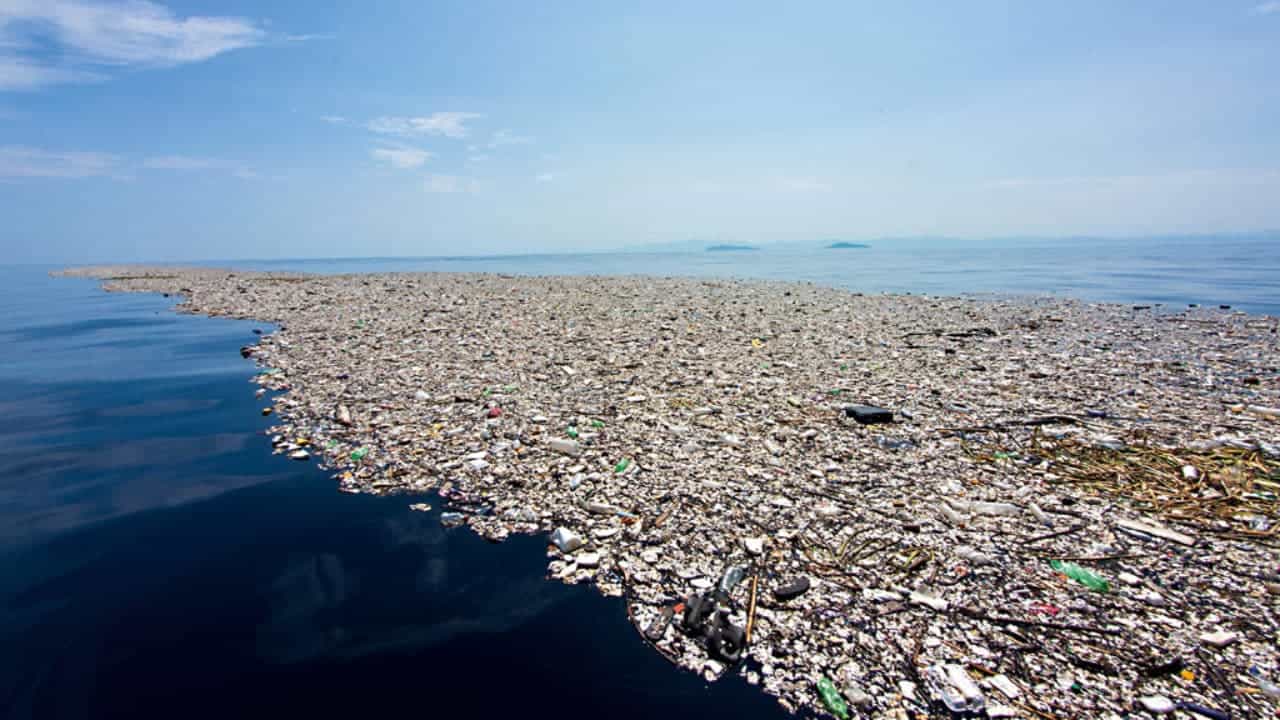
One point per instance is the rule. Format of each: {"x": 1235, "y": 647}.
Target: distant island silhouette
{"x": 847, "y": 246}
{"x": 729, "y": 248}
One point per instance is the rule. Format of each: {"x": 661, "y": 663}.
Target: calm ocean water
{"x": 156, "y": 559}
{"x": 1236, "y": 271}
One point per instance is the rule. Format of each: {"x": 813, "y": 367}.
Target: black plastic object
{"x": 868, "y": 414}
{"x": 725, "y": 641}
{"x": 1164, "y": 667}
{"x": 1205, "y": 711}
{"x": 697, "y": 610}
{"x": 793, "y": 589}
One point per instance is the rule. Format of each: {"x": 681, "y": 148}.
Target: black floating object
{"x": 725, "y": 641}
{"x": 697, "y": 610}
{"x": 1164, "y": 667}
{"x": 1208, "y": 712}
{"x": 1096, "y": 413}
{"x": 793, "y": 589}
{"x": 257, "y": 331}
{"x": 868, "y": 414}
{"x": 1224, "y": 307}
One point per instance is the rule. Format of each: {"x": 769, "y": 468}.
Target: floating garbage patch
{"x": 868, "y": 506}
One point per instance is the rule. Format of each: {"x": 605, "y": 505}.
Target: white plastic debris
{"x": 1219, "y": 638}
{"x": 1153, "y": 530}
{"x": 566, "y": 540}
{"x": 1157, "y": 704}
{"x": 565, "y": 447}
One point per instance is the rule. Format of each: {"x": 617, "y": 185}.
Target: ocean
{"x": 157, "y": 560}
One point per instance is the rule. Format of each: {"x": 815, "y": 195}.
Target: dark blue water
{"x": 157, "y": 561}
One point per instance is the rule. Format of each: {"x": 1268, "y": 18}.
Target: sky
{"x": 216, "y": 130}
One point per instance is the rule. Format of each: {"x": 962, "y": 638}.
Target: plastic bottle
{"x": 359, "y": 454}
{"x": 622, "y": 465}
{"x": 831, "y": 698}
{"x": 1081, "y": 575}
{"x": 731, "y": 578}
{"x": 1264, "y": 684}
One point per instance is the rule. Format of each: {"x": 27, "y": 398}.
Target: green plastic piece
{"x": 359, "y": 454}
{"x": 571, "y": 431}
{"x": 831, "y": 698}
{"x": 622, "y": 465}
{"x": 1082, "y": 576}
{"x": 597, "y": 424}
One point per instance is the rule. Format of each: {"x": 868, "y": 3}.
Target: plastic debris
{"x": 868, "y": 414}
{"x": 1056, "y": 429}
{"x": 1157, "y": 704}
{"x": 792, "y": 590}
{"x": 566, "y": 540}
{"x": 1153, "y": 530}
{"x": 1081, "y": 575}
{"x": 1220, "y": 638}
{"x": 831, "y": 699}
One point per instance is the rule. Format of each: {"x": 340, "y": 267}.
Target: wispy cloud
{"x": 506, "y": 137}
{"x": 18, "y": 161}
{"x": 191, "y": 163}
{"x": 545, "y": 177}
{"x": 448, "y": 124}
{"x": 1267, "y": 8}
{"x": 334, "y": 119}
{"x": 180, "y": 162}
{"x": 19, "y": 74}
{"x": 89, "y": 37}
{"x": 450, "y": 184}
{"x": 401, "y": 157}
{"x": 308, "y": 37}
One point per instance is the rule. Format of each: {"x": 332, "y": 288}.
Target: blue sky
{"x": 191, "y": 130}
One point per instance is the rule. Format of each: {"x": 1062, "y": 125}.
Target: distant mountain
{"x": 730, "y": 248}
{"x": 847, "y": 246}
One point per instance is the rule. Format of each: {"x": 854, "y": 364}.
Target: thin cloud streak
{"x": 404, "y": 158}
{"x": 180, "y": 162}
{"x": 17, "y": 161}
{"x": 450, "y": 184}
{"x": 1187, "y": 177}
{"x": 506, "y": 137}
{"x": 447, "y": 124}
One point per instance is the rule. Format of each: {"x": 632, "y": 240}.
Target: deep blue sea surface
{"x": 157, "y": 561}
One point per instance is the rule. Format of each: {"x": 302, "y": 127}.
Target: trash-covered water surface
{"x": 876, "y": 506}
